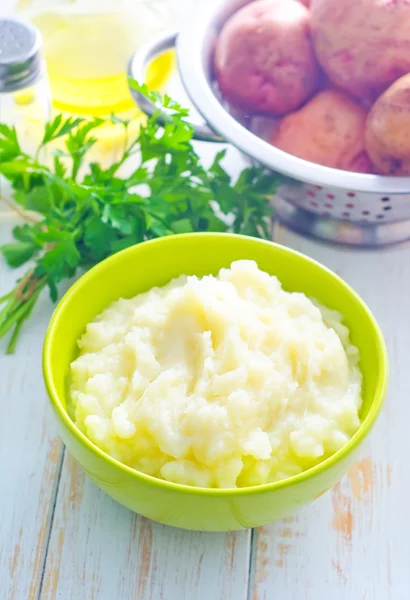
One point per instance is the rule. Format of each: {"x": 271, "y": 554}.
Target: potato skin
{"x": 264, "y": 59}
{"x": 387, "y": 134}
{"x": 362, "y": 45}
{"x": 328, "y": 130}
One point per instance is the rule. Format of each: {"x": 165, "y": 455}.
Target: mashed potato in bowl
{"x": 225, "y": 381}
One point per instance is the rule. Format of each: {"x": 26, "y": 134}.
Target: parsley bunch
{"x": 86, "y": 218}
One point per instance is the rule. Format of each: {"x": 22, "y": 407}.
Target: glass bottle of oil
{"x": 87, "y": 47}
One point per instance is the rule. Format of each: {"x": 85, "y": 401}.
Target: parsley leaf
{"x": 9, "y": 145}
{"x": 59, "y": 127}
{"x": 17, "y": 253}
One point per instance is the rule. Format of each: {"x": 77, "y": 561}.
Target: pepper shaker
{"x": 25, "y": 100}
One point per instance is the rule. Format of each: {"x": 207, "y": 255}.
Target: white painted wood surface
{"x": 62, "y": 538}
{"x": 30, "y": 454}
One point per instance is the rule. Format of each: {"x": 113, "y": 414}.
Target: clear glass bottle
{"x": 25, "y": 100}
{"x": 87, "y": 47}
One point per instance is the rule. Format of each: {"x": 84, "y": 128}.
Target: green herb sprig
{"x": 86, "y": 218}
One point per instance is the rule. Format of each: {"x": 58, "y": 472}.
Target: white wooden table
{"x": 62, "y": 538}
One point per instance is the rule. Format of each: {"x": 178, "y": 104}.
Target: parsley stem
{"x": 17, "y": 309}
{"x": 10, "y": 305}
{"x": 29, "y": 308}
{"x": 5, "y": 297}
{"x": 12, "y": 343}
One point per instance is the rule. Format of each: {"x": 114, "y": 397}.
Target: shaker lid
{"x": 20, "y": 54}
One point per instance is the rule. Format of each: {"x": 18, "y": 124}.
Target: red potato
{"x": 328, "y": 130}
{"x": 363, "y": 45}
{"x": 387, "y": 133}
{"x": 264, "y": 59}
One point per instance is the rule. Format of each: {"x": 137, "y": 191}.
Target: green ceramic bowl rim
{"x": 169, "y": 486}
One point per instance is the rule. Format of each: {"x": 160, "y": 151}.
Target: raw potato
{"x": 264, "y": 59}
{"x": 388, "y": 130}
{"x": 329, "y": 131}
{"x": 363, "y": 45}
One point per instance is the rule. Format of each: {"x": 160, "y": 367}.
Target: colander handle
{"x": 137, "y": 68}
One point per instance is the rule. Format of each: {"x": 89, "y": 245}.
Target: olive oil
{"x": 87, "y": 47}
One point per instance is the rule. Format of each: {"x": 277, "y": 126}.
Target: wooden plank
{"x": 30, "y": 452}
{"x": 100, "y": 550}
{"x": 354, "y": 542}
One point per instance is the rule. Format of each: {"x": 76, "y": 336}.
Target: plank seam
{"x": 51, "y": 520}
{"x": 249, "y": 591}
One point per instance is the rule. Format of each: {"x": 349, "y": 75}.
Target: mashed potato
{"x": 224, "y": 381}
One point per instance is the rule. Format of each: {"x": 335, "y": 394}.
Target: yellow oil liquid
{"x": 87, "y": 56}
{"x": 103, "y": 95}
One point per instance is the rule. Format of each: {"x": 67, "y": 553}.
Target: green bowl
{"x": 154, "y": 263}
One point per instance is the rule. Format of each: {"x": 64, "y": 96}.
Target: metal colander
{"x": 345, "y": 216}
{"x": 337, "y": 206}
